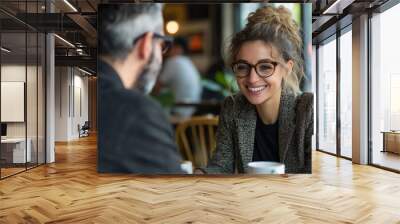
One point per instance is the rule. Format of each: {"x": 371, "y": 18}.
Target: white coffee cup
{"x": 187, "y": 167}
{"x": 265, "y": 167}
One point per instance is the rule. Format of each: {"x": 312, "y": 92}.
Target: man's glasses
{"x": 166, "y": 41}
{"x": 264, "y": 68}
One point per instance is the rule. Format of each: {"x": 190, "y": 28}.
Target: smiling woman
{"x": 270, "y": 119}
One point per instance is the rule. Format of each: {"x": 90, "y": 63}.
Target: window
{"x": 327, "y": 97}
{"x": 346, "y": 94}
{"x": 385, "y": 85}
{"x": 22, "y": 65}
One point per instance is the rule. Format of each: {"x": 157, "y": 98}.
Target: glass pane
{"x": 13, "y": 86}
{"x": 32, "y": 86}
{"x": 386, "y": 89}
{"x": 346, "y": 94}
{"x": 327, "y": 97}
{"x": 31, "y": 97}
{"x": 41, "y": 151}
{"x": 41, "y": 98}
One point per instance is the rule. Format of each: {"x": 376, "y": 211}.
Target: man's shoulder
{"x": 132, "y": 100}
{"x": 138, "y": 97}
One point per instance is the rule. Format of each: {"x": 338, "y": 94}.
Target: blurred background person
{"x": 181, "y": 76}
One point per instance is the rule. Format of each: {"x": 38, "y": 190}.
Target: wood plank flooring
{"x": 71, "y": 191}
{"x": 10, "y": 171}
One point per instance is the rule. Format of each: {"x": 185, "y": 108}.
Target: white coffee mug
{"x": 187, "y": 167}
{"x": 265, "y": 167}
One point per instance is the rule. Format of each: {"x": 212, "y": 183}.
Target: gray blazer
{"x": 236, "y": 133}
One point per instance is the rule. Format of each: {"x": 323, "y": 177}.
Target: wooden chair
{"x": 196, "y": 139}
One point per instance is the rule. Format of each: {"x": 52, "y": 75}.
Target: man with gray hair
{"x": 134, "y": 133}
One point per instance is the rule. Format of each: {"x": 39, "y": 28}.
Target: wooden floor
{"x": 70, "y": 191}
{"x": 10, "y": 171}
{"x": 5, "y": 172}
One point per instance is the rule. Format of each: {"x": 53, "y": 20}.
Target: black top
{"x": 266, "y": 142}
{"x": 134, "y": 133}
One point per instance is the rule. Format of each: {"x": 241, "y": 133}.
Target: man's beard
{"x": 148, "y": 77}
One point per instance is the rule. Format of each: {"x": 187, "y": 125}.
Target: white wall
{"x": 16, "y": 73}
{"x": 33, "y": 127}
{"x": 12, "y": 73}
{"x": 79, "y": 115}
{"x": 62, "y": 81}
{"x": 71, "y": 94}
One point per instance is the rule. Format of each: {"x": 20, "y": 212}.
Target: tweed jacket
{"x": 236, "y": 133}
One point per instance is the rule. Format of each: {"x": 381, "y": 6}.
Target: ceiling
{"x": 76, "y": 23}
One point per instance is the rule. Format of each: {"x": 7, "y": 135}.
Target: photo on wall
{"x": 227, "y": 91}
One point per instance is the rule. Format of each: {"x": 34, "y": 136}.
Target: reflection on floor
{"x": 346, "y": 152}
{"x": 10, "y": 169}
{"x": 387, "y": 159}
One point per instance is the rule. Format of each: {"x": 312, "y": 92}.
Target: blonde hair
{"x": 274, "y": 26}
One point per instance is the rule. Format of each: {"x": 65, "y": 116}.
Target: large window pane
{"x": 23, "y": 90}
{"x": 327, "y": 97}
{"x": 346, "y": 94}
{"x": 41, "y": 98}
{"x": 13, "y": 86}
{"x": 385, "y": 83}
{"x": 31, "y": 97}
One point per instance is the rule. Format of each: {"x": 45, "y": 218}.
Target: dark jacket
{"x": 134, "y": 133}
{"x": 236, "y": 133}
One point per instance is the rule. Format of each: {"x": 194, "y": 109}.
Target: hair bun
{"x": 269, "y": 15}
{"x": 280, "y": 18}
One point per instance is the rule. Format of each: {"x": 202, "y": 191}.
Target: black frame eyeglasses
{"x": 166, "y": 41}
{"x": 264, "y": 68}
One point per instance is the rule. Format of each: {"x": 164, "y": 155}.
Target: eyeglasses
{"x": 166, "y": 41}
{"x": 264, "y": 68}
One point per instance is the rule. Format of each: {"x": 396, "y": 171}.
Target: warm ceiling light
{"x": 172, "y": 27}
{"x": 70, "y": 5}
{"x": 5, "y": 50}
{"x": 65, "y": 41}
